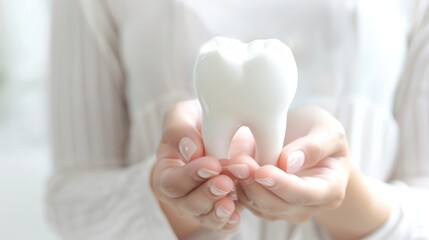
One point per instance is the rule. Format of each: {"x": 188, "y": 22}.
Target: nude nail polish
{"x": 222, "y": 213}
{"x": 240, "y": 171}
{"x": 206, "y": 173}
{"x": 295, "y": 161}
{"x": 217, "y": 192}
{"x": 187, "y": 148}
{"x": 267, "y": 182}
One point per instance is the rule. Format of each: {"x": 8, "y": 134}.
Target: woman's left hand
{"x": 311, "y": 175}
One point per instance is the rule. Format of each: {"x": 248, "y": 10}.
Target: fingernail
{"x": 295, "y": 161}
{"x": 268, "y": 182}
{"x": 205, "y": 173}
{"x": 233, "y": 194}
{"x": 216, "y": 191}
{"x": 232, "y": 221}
{"x": 240, "y": 171}
{"x": 187, "y": 148}
{"x": 222, "y": 213}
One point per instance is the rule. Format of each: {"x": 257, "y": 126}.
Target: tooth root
{"x": 217, "y": 134}
{"x": 269, "y": 138}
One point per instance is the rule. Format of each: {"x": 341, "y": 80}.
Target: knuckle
{"x": 314, "y": 149}
{"x": 341, "y": 132}
{"x": 256, "y": 212}
{"x": 339, "y": 129}
{"x": 338, "y": 193}
{"x": 173, "y": 192}
{"x": 298, "y": 201}
{"x": 338, "y": 200}
{"x": 212, "y": 223}
{"x": 273, "y": 210}
{"x": 229, "y": 229}
{"x": 340, "y": 137}
{"x": 336, "y": 204}
{"x": 341, "y": 195}
{"x": 190, "y": 207}
{"x": 170, "y": 189}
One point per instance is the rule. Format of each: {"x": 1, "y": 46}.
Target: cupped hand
{"x": 190, "y": 186}
{"x": 311, "y": 174}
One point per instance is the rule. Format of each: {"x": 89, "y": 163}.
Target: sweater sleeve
{"x": 409, "y": 188}
{"x": 93, "y": 192}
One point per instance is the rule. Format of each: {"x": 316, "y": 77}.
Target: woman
{"x": 118, "y": 66}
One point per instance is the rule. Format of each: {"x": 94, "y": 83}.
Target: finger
{"x": 322, "y": 186}
{"x": 294, "y": 215}
{"x": 250, "y": 205}
{"x": 318, "y": 144}
{"x": 176, "y": 181}
{"x": 201, "y": 200}
{"x": 246, "y": 202}
{"x": 265, "y": 201}
{"x": 241, "y": 167}
{"x": 243, "y": 143}
{"x": 232, "y": 224}
{"x": 181, "y": 132}
{"x": 219, "y": 216}
{"x": 261, "y": 198}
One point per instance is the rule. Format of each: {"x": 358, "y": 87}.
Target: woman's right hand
{"x": 190, "y": 187}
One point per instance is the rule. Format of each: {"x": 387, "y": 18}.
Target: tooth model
{"x": 245, "y": 85}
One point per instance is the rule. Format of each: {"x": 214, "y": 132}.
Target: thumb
{"x": 181, "y": 131}
{"x": 308, "y": 150}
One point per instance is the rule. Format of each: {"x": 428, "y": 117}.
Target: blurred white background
{"x": 24, "y": 152}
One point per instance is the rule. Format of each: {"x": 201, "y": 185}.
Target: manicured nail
{"x": 295, "y": 161}
{"x": 268, "y": 182}
{"x": 240, "y": 171}
{"x": 232, "y": 221}
{"x": 216, "y": 191}
{"x": 233, "y": 194}
{"x": 222, "y": 213}
{"x": 187, "y": 148}
{"x": 205, "y": 173}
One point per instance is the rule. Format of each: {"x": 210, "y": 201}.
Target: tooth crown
{"x": 245, "y": 85}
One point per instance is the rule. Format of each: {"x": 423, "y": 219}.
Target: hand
{"x": 190, "y": 186}
{"x": 311, "y": 175}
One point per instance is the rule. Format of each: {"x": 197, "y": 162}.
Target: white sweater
{"x": 117, "y": 65}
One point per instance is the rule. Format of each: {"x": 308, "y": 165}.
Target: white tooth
{"x": 245, "y": 85}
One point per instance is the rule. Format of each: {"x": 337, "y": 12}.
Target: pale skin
{"x": 325, "y": 188}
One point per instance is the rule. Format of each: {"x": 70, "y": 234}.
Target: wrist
{"x": 363, "y": 210}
